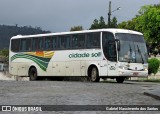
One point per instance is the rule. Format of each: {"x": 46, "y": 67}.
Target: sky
{"x": 61, "y": 15}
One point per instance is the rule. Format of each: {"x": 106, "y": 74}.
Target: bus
{"x": 95, "y": 54}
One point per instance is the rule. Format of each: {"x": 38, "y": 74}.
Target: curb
{"x": 153, "y": 94}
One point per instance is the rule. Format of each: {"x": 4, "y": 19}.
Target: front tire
{"x": 120, "y": 79}
{"x": 94, "y": 75}
{"x": 33, "y": 74}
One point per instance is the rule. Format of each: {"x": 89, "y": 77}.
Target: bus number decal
{"x": 112, "y": 68}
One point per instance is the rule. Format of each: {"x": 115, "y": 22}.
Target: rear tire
{"x": 120, "y": 79}
{"x": 33, "y": 74}
{"x": 94, "y": 75}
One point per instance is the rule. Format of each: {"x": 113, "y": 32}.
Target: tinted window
{"x": 55, "y": 42}
{"x": 61, "y": 42}
{"x": 38, "y": 44}
{"x": 48, "y": 43}
{"x": 64, "y": 42}
{"x": 109, "y": 47}
{"x": 34, "y": 44}
{"x": 25, "y": 45}
{"x": 78, "y": 41}
{"x": 93, "y": 40}
{"x": 41, "y": 44}
{"x": 68, "y": 42}
{"x": 15, "y": 45}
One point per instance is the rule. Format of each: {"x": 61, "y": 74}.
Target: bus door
{"x": 112, "y": 59}
{"x": 109, "y": 51}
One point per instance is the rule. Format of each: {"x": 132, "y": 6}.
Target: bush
{"x": 153, "y": 66}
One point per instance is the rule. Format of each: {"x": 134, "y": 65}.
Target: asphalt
{"x": 155, "y": 93}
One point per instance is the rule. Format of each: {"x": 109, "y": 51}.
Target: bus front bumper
{"x": 130, "y": 73}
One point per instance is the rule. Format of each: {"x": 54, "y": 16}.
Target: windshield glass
{"x": 132, "y": 48}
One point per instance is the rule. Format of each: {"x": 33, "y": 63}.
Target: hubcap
{"x": 94, "y": 74}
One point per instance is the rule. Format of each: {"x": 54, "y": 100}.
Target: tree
{"x": 98, "y": 24}
{"x": 5, "y": 52}
{"x": 102, "y": 23}
{"x": 95, "y": 24}
{"x": 147, "y": 22}
{"x": 76, "y": 28}
{"x": 113, "y": 23}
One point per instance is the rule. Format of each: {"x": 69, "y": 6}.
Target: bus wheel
{"x": 94, "y": 76}
{"x": 33, "y": 74}
{"x": 120, "y": 79}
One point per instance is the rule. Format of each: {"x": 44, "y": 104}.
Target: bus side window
{"x": 48, "y": 43}
{"x": 93, "y": 40}
{"x": 15, "y": 44}
{"x": 34, "y": 44}
{"x": 25, "y": 44}
{"x": 29, "y": 44}
{"x": 54, "y": 42}
{"x": 78, "y": 41}
{"x": 68, "y": 42}
{"x": 75, "y": 41}
{"x": 81, "y": 41}
{"x": 41, "y": 43}
{"x": 61, "y": 42}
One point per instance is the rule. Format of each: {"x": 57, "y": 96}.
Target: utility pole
{"x": 109, "y": 14}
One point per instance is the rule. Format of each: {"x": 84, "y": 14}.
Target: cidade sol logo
{"x": 83, "y": 55}
{"x": 79, "y": 55}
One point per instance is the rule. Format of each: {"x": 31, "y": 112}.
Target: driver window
{"x": 109, "y": 48}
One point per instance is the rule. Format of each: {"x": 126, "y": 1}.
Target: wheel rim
{"x": 93, "y": 74}
{"x": 33, "y": 75}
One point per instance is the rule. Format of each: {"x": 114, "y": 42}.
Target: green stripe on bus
{"x": 40, "y": 61}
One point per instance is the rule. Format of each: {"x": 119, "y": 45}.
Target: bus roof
{"x": 76, "y": 32}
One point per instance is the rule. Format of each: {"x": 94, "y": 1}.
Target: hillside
{"x": 6, "y": 32}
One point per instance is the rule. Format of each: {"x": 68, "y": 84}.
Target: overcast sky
{"x": 61, "y": 15}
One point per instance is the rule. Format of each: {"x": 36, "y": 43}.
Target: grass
{"x": 148, "y": 80}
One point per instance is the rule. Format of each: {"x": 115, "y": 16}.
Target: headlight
{"x": 145, "y": 67}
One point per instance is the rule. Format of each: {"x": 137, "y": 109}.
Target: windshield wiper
{"x": 140, "y": 54}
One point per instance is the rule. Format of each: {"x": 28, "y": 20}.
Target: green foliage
{"x": 153, "y": 66}
{"x": 5, "y": 52}
{"x": 113, "y": 23}
{"x": 147, "y": 22}
{"x": 99, "y": 24}
{"x": 128, "y": 25}
{"x": 76, "y": 28}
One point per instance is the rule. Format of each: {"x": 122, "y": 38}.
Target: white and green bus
{"x": 102, "y": 53}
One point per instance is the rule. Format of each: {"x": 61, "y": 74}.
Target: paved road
{"x": 76, "y": 93}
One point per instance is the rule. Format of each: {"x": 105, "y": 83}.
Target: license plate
{"x": 135, "y": 74}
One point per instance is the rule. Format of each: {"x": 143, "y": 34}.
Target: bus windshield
{"x": 132, "y": 48}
